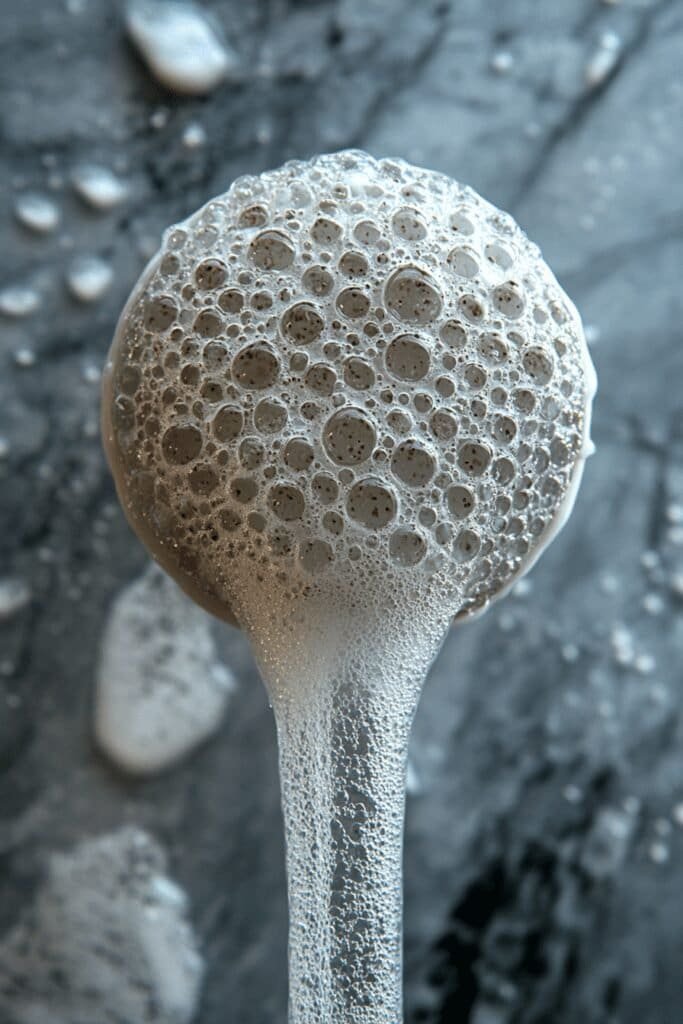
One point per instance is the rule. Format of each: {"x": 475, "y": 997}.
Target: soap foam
{"x": 161, "y": 688}
{"x": 106, "y": 939}
{"x": 395, "y": 330}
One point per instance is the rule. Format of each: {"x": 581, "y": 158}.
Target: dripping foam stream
{"x": 346, "y": 402}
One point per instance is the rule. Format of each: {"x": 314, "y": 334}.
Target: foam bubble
{"x": 161, "y": 688}
{"x": 339, "y": 322}
{"x": 106, "y": 937}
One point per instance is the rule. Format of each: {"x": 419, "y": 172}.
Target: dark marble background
{"x": 544, "y": 840}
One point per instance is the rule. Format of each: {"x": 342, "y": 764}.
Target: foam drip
{"x": 347, "y": 402}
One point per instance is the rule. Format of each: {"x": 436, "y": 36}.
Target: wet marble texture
{"x": 544, "y": 838}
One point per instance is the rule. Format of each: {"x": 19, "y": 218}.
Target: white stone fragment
{"x": 88, "y": 278}
{"x": 99, "y": 187}
{"x": 180, "y": 44}
{"x": 106, "y": 940}
{"x": 18, "y": 300}
{"x": 37, "y": 212}
{"x": 161, "y": 689}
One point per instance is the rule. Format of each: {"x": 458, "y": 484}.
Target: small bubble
{"x": 508, "y": 300}
{"x": 270, "y": 416}
{"x": 408, "y": 224}
{"x": 473, "y": 458}
{"x": 202, "y": 479}
{"x": 358, "y": 374}
{"x": 253, "y": 217}
{"x": 538, "y": 365}
{"x": 325, "y": 231}
{"x": 243, "y": 489}
{"x": 255, "y": 367}
{"x": 453, "y": 334}
{"x": 366, "y": 232}
{"x": 371, "y": 503}
{"x": 412, "y": 464}
{"x": 463, "y": 262}
{"x": 407, "y": 358}
{"x": 349, "y": 437}
{"x": 315, "y": 555}
{"x": 471, "y": 308}
{"x": 271, "y": 250}
{"x": 353, "y": 264}
{"x": 286, "y": 501}
{"x": 181, "y": 444}
{"x": 407, "y": 547}
{"x": 460, "y": 223}
{"x": 227, "y": 423}
{"x": 412, "y": 296}
{"x": 231, "y": 300}
{"x": 321, "y": 378}
{"x": 353, "y": 303}
{"x": 318, "y": 281}
{"x": 460, "y": 501}
{"x": 298, "y": 454}
{"x": 210, "y": 274}
{"x": 302, "y": 324}
{"x": 467, "y": 545}
{"x": 160, "y": 312}
{"x": 444, "y": 426}
{"x": 325, "y": 488}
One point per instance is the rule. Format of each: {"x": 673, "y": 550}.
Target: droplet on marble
{"x": 18, "y": 300}
{"x": 37, "y": 212}
{"x": 98, "y": 186}
{"x": 659, "y": 853}
{"x": 603, "y": 61}
{"x": 181, "y": 45}
{"x": 15, "y": 594}
{"x": 88, "y": 278}
{"x": 502, "y": 62}
{"x": 106, "y": 937}
{"x": 194, "y": 135}
{"x": 25, "y": 358}
{"x": 653, "y": 604}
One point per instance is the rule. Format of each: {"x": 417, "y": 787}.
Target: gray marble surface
{"x": 544, "y": 839}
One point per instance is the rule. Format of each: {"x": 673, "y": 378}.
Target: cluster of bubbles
{"x": 350, "y": 361}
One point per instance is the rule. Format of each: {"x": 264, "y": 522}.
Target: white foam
{"x": 161, "y": 689}
{"x": 105, "y": 940}
{"x": 180, "y": 43}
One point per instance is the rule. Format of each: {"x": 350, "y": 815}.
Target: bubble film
{"x": 348, "y": 361}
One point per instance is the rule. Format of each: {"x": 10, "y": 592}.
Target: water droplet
{"x": 37, "y": 212}
{"x": 88, "y": 278}
{"x": 99, "y": 187}
{"x": 181, "y": 44}
{"x": 18, "y": 301}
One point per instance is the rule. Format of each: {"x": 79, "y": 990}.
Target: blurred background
{"x": 544, "y": 833}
